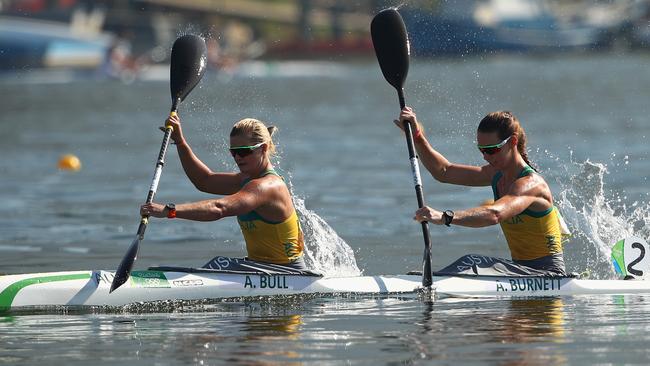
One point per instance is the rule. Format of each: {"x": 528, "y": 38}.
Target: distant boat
{"x": 640, "y": 29}
{"x": 28, "y": 44}
{"x": 468, "y": 27}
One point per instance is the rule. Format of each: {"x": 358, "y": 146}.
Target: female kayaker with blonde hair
{"x": 523, "y": 203}
{"x": 256, "y": 195}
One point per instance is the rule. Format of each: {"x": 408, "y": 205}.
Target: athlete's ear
{"x": 514, "y": 140}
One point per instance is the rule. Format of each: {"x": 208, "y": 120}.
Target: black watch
{"x": 448, "y": 217}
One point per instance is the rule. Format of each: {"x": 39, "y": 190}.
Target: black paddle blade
{"x": 126, "y": 265}
{"x": 188, "y": 63}
{"x": 391, "y": 46}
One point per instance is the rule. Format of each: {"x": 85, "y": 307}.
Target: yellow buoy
{"x": 69, "y": 162}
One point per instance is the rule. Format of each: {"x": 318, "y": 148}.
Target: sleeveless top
{"x": 272, "y": 242}
{"x": 531, "y": 234}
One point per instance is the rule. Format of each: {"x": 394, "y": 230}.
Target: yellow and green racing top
{"x": 272, "y": 242}
{"x": 531, "y": 234}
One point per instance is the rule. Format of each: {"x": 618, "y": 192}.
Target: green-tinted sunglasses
{"x": 244, "y": 151}
{"x": 493, "y": 149}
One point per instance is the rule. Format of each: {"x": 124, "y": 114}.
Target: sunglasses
{"x": 244, "y": 151}
{"x": 493, "y": 149}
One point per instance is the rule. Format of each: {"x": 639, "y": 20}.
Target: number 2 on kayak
{"x": 629, "y": 257}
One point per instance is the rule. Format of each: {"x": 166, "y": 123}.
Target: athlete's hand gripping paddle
{"x": 188, "y": 64}
{"x": 391, "y": 44}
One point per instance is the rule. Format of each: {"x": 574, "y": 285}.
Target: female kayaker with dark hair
{"x": 256, "y": 194}
{"x": 523, "y": 203}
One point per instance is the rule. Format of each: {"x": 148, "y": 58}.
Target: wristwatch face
{"x": 171, "y": 206}
{"x": 448, "y": 216}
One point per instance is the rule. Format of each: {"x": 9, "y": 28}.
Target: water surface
{"x": 586, "y": 119}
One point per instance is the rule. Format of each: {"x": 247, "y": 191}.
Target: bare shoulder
{"x": 528, "y": 184}
{"x": 271, "y": 195}
{"x": 533, "y": 185}
{"x": 269, "y": 184}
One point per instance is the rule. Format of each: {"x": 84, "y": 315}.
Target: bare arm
{"x": 251, "y": 197}
{"x": 528, "y": 192}
{"x": 211, "y": 210}
{"x": 199, "y": 174}
{"x": 439, "y": 167}
{"x": 446, "y": 172}
{"x": 203, "y": 178}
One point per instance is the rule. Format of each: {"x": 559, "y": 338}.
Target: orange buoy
{"x": 69, "y": 162}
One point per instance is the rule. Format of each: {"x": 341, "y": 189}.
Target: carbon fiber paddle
{"x": 391, "y": 44}
{"x": 188, "y": 64}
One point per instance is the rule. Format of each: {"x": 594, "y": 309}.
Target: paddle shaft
{"x": 160, "y": 163}
{"x": 124, "y": 269}
{"x": 415, "y": 169}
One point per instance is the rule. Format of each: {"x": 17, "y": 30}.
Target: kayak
{"x": 91, "y": 288}
{"x": 533, "y": 286}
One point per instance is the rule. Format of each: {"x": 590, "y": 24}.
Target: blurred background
{"x": 125, "y": 38}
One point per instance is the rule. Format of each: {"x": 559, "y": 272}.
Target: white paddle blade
{"x": 631, "y": 257}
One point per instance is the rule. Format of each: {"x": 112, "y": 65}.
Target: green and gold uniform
{"x": 272, "y": 242}
{"x": 531, "y": 234}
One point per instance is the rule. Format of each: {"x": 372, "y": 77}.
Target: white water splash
{"x": 325, "y": 251}
{"x": 596, "y": 219}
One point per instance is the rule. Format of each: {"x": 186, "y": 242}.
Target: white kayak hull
{"x": 489, "y": 286}
{"x": 91, "y": 288}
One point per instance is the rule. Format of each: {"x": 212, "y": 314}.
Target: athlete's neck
{"x": 263, "y": 168}
{"x": 513, "y": 169}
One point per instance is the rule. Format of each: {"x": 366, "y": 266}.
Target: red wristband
{"x": 417, "y": 136}
{"x": 171, "y": 210}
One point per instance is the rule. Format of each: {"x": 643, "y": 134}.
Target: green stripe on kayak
{"x": 618, "y": 258}
{"x": 8, "y": 295}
